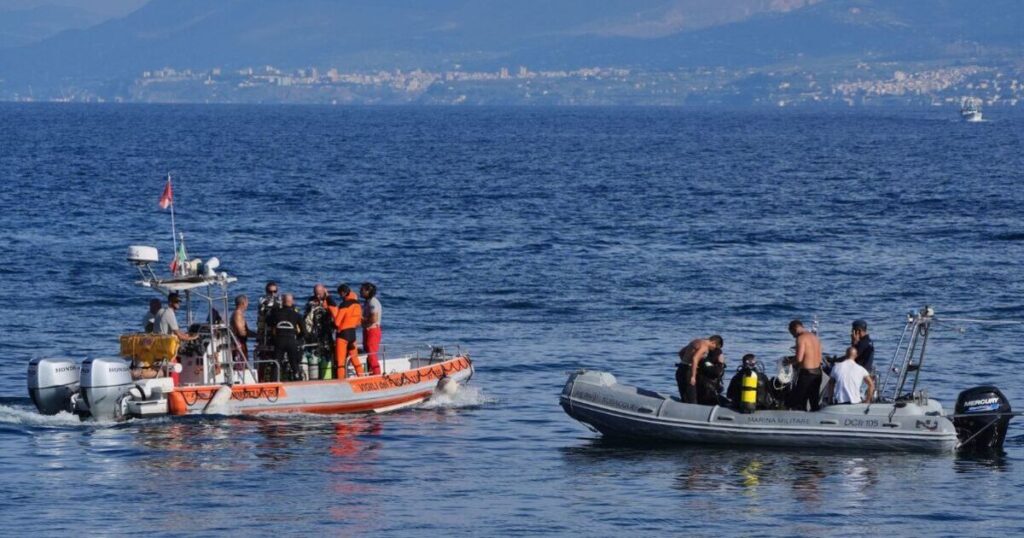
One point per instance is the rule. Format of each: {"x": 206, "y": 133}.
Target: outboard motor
{"x": 104, "y": 381}
{"x": 986, "y": 431}
{"x": 52, "y": 383}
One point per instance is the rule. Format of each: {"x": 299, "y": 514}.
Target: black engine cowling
{"x": 982, "y": 416}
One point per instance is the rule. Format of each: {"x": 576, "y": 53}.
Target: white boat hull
{"x": 403, "y": 387}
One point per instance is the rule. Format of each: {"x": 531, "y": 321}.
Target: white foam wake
{"x": 466, "y": 396}
{"x": 30, "y": 417}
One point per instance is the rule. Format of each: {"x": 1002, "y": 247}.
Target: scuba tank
{"x": 326, "y": 368}
{"x": 311, "y": 363}
{"x": 748, "y": 391}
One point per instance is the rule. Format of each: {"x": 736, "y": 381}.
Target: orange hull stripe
{"x": 238, "y": 392}
{"x": 389, "y": 381}
{"x": 198, "y": 395}
{"x": 338, "y": 408}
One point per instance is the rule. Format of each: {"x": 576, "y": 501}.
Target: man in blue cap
{"x": 861, "y": 340}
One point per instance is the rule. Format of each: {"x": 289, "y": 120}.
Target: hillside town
{"x": 861, "y": 84}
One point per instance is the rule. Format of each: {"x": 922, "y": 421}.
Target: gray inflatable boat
{"x": 615, "y": 410}
{"x": 905, "y": 419}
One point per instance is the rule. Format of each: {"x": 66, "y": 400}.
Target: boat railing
{"x": 908, "y": 358}
{"x": 421, "y": 351}
{"x": 275, "y": 368}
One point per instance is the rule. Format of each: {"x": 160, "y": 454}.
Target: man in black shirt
{"x": 861, "y": 340}
{"x": 286, "y": 324}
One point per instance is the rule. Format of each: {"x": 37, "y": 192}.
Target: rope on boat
{"x": 996, "y": 414}
{"x": 982, "y": 321}
{"x": 989, "y": 322}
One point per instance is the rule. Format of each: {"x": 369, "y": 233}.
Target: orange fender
{"x": 176, "y": 404}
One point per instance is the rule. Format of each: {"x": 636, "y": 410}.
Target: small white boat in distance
{"x": 970, "y": 109}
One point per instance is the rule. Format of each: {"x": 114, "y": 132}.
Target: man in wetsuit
{"x": 319, "y": 325}
{"x": 807, "y": 362}
{"x": 748, "y": 365}
{"x": 690, "y": 358}
{"x": 861, "y": 340}
{"x": 266, "y": 306}
{"x": 286, "y": 324}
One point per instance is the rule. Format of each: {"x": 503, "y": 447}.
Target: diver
{"x": 266, "y": 306}
{"x": 749, "y": 366}
{"x": 860, "y": 339}
{"x": 689, "y": 367}
{"x": 847, "y": 379}
{"x": 347, "y": 316}
{"x": 319, "y": 327}
{"x": 807, "y": 362}
{"x": 709, "y": 378}
{"x": 286, "y": 324}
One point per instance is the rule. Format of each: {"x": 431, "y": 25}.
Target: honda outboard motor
{"x": 52, "y": 383}
{"x": 986, "y": 431}
{"x": 104, "y": 381}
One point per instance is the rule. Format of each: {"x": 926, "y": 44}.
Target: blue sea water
{"x": 542, "y": 241}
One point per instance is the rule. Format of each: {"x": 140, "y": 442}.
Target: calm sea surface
{"x": 543, "y": 241}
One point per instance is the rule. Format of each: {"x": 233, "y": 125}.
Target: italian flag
{"x": 180, "y": 258}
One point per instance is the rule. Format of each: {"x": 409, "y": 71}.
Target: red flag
{"x": 167, "y": 198}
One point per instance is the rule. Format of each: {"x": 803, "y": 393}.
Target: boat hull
{"x": 622, "y": 411}
{"x": 379, "y": 393}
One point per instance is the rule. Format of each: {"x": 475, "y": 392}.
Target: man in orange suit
{"x": 348, "y": 316}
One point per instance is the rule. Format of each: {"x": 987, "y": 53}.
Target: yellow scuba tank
{"x": 748, "y": 392}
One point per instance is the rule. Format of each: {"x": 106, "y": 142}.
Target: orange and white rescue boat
{"x": 156, "y": 376}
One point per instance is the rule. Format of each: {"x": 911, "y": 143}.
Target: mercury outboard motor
{"x": 104, "y": 381}
{"x": 52, "y": 383}
{"x": 986, "y": 431}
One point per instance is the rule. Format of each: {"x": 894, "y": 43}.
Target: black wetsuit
{"x": 709, "y": 380}
{"x": 866, "y": 353}
{"x": 687, "y": 392}
{"x": 736, "y": 386}
{"x": 319, "y": 324}
{"x": 286, "y": 324}
{"x": 806, "y": 390}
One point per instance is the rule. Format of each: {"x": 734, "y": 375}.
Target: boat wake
{"x": 465, "y": 397}
{"x": 25, "y": 416}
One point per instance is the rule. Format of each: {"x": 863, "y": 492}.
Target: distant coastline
{"x": 859, "y": 85}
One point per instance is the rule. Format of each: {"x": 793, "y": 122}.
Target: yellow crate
{"x": 146, "y": 348}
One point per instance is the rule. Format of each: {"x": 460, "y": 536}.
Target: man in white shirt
{"x": 371, "y": 325}
{"x": 847, "y": 379}
{"x": 166, "y": 321}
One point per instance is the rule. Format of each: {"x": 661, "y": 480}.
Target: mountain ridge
{"x": 488, "y": 35}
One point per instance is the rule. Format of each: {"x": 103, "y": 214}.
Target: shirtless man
{"x": 240, "y": 328}
{"x": 807, "y": 361}
{"x": 689, "y": 360}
